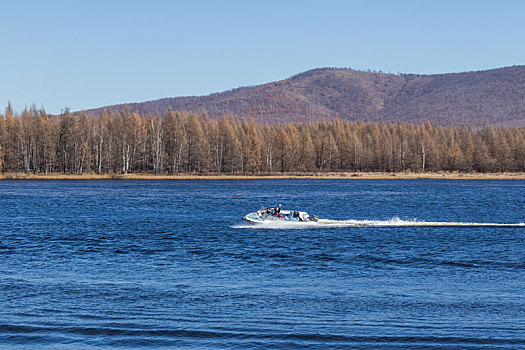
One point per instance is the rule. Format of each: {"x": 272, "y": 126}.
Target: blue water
{"x": 170, "y": 264}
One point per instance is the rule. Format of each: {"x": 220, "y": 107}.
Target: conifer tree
{"x": 283, "y": 149}
{"x": 172, "y": 125}
{"x": 229, "y": 146}
{"x": 254, "y": 149}
{"x": 306, "y": 150}
{"x": 2, "y": 137}
{"x": 196, "y": 144}
{"x": 123, "y": 142}
{"x": 10, "y": 140}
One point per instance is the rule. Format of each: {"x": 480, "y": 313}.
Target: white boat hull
{"x": 261, "y": 217}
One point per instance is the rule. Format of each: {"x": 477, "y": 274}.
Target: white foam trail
{"x": 394, "y": 222}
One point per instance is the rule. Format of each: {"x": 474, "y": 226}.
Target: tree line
{"x": 179, "y": 142}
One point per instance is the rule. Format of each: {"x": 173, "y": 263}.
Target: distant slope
{"x": 494, "y": 97}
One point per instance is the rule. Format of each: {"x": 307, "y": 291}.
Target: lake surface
{"x": 170, "y": 264}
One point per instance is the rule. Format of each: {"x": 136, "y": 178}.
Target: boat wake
{"x": 394, "y": 222}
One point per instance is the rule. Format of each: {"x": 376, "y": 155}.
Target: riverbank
{"x": 349, "y": 175}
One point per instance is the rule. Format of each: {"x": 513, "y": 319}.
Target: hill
{"x": 492, "y": 97}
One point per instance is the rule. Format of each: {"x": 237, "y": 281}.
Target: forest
{"x": 177, "y": 142}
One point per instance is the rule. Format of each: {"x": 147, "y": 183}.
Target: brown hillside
{"x": 492, "y": 97}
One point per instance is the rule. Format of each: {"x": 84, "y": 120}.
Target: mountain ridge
{"x": 476, "y": 98}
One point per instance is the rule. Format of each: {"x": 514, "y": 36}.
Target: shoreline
{"x": 327, "y": 176}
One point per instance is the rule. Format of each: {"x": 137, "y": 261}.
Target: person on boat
{"x": 278, "y": 211}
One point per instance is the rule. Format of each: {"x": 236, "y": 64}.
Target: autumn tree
{"x": 10, "y": 143}
{"x": 198, "y": 156}
{"x": 305, "y": 151}
{"x": 99, "y": 142}
{"x": 156, "y": 143}
{"x": 175, "y": 140}
{"x": 283, "y": 149}
{"x": 227, "y": 147}
{"x": 123, "y": 142}
{"x": 2, "y": 136}
{"x": 66, "y": 142}
{"x": 253, "y": 157}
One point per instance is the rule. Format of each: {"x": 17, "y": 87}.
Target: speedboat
{"x": 263, "y": 215}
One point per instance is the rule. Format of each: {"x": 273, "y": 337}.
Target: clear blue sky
{"x": 83, "y": 54}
